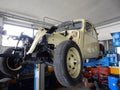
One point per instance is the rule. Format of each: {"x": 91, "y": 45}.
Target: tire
{"x": 68, "y": 64}
{"x": 6, "y": 64}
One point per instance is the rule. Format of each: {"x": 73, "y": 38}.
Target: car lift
{"x": 39, "y": 76}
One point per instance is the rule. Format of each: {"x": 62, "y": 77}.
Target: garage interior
{"x": 18, "y": 17}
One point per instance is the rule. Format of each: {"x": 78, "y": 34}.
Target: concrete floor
{"x": 73, "y": 89}
{"x": 81, "y": 86}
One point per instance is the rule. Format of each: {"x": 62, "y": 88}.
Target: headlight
{"x": 74, "y": 33}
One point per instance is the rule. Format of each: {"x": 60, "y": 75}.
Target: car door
{"x": 89, "y": 41}
{"x": 95, "y": 44}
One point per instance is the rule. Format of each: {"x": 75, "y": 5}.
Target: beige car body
{"x": 86, "y": 40}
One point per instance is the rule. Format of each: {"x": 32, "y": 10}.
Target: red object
{"x": 99, "y": 74}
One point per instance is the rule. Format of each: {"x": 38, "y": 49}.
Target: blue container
{"x": 112, "y": 83}
{"x": 116, "y": 39}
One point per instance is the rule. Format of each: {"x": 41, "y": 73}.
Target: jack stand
{"x": 39, "y": 78}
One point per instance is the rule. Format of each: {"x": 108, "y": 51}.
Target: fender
{"x": 38, "y": 38}
{"x": 56, "y": 38}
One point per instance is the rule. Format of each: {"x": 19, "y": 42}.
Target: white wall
{"x": 106, "y": 30}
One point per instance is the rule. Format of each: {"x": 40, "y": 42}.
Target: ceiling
{"x": 96, "y": 11}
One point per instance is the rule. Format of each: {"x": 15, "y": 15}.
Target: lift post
{"x": 39, "y": 76}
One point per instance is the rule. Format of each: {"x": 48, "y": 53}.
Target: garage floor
{"x": 73, "y": 89}
{"x": 81, "y": 86}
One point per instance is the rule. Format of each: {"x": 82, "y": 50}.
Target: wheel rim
{"x": 73, "y": 62}
{"x": 13, "y": 64}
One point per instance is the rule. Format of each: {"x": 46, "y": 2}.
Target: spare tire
{"x": 10, "y": 66}
{"x": 68, "y": 63}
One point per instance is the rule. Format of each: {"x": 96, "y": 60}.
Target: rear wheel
{"x": 68, "y": 63}
{"x": 10, "y": 65}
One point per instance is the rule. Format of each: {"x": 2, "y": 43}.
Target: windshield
{"x": 69, "y": 25}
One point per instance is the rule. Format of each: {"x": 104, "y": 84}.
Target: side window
{"x": 89, "y": 28}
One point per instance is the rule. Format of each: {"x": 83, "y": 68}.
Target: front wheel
{"x": 68, "y": 63}
{"x": 10, "y": 65}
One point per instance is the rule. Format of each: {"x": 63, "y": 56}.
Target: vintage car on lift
{"x": 64, "y": 46}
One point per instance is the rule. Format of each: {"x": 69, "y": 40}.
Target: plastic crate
{"x": 116, "y": 39}
{"x": 112, "y": 83}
